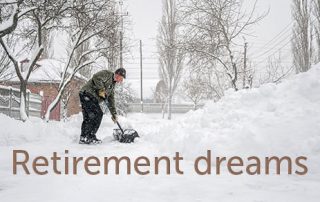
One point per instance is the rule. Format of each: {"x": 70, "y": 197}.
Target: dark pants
{"x": 92, "y": 115}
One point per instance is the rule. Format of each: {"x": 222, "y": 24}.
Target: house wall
{"x": 74, "y": 106}
{"x": 50, "y": 91}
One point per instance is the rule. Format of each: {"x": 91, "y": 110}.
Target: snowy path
{"x": 187, "y": 187}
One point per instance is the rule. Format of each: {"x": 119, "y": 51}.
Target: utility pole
{"x": 244, "y": 65}
{"x": 121, "y": 49}
{"x": 141, "y": 88}
{"x": 121, "y": 33}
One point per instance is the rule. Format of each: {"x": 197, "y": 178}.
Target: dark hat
{"x": 121, "y": 71}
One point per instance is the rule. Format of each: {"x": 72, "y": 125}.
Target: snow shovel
{"x": 124, "y": 136}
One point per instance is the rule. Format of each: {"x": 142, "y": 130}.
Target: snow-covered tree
{"x": 214, "y": 79}
{"x": 65, "y": 101}
{"x": 171, "y": 56}
{"x": 302, "y": 35}
{"x": 29, "y": 10}
{"x": 123, "y": 96}
{"x": 212, "y": 29}
{"x": 112, "y": 37}
{"x": 160, "y": 93}
{"x": 88, "y": 20}
{"x": 6, "y": 72}
{"x": 9, "y": 16}
{"x": 316, "y": 14}
{"x": 275, "y": 71}
{"x": 194, "y": 87}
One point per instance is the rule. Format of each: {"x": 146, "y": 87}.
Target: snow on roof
{"x": 50, "y": 70}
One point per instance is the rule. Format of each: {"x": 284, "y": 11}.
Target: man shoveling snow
{"x": 100, "y": 88}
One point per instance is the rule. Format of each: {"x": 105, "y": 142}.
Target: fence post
{"x": 10, "y": 102}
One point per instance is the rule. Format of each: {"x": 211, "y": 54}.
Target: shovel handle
{"x": 120, "y": 127}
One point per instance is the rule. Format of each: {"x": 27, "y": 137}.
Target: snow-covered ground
{"x": 276, "y": 120}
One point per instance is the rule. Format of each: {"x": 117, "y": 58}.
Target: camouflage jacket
{"x": 102, "y": 80}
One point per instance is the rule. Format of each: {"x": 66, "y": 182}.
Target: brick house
{"x": 44, "y": 80}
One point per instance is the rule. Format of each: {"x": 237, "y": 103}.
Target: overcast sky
{"x": 145, "y": 16}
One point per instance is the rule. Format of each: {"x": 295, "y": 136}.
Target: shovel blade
{"x": 127, "y": 136}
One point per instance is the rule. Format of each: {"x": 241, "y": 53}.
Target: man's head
{"x": 119, "y": 75}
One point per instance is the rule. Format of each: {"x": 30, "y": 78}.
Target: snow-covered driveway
{"x": 40, "y": 138}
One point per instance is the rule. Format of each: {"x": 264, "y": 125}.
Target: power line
{"x": 274, "y": 52}
{"x": 272, "y": 48}
{"x": 256, "y": 48}
{"x": 279, "y": 48}
{"x": 275, "y": 38}
{"x": 145, "y": 63}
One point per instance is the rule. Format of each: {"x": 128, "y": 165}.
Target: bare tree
{"x": 112, "y": 38}
{"x": 275, "y": 71}
{"x": 115, "y": 37}
{"x": 46, "y": 38}
{"x": 316, "y": 13}
{"x": 85, "y": 71}
{"x": 212, "y": 29}
{"x": 38, "y": 18}
{"x": 170, "y": 54}
{"x": 160, "y": 95}
{"x": 302, "y": 35}
{"x": 65, "y": 101}
{"x": 124, "y": 95}
{"x": 9, "y": 16}
{"x": 161, "y": 92}
{"x": 6, "y": 73}
{"x": 4, "y": 67}
{"x": 213, "y": 79}
{"x": 194, "y": 87}
{"x": 10, "y": 13}
{"x": 91, "y": 20}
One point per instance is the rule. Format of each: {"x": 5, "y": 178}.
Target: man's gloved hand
{"x": 102, "y": 93}
{"x": 114, "y": 118}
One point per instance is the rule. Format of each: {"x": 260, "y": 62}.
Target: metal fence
{"x": 158, "y": 107}
{"x": 10, "y": 102}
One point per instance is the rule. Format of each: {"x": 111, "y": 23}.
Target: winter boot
{"x": 94, "y": 140}
{"x": 84, "y": 140}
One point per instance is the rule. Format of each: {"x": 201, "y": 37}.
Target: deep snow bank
{"x": 36, "y": 130}
{"x": 281, "y": 119}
